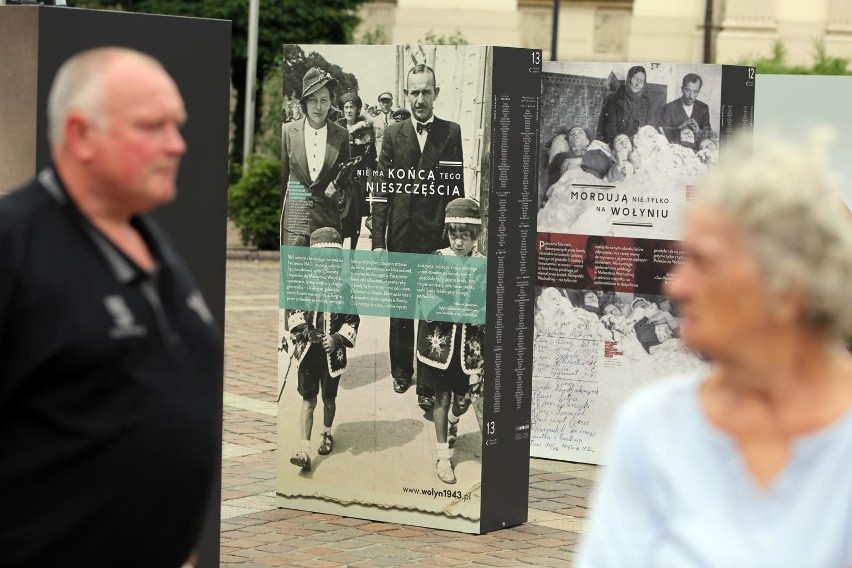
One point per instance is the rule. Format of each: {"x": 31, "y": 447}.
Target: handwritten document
{"x": 566, "y": 386}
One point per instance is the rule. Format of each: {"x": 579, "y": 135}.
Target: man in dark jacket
{"x": 421, "y": 165}
{"x": 686, "y": 121}
{"x": 110, "y": 361}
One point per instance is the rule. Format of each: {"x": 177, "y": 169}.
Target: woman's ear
{"x": 789, "y": 306}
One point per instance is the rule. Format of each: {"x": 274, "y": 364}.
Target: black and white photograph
{"x": 635, "y": 135}
{"x": 593, "y": 347}
{"x": 380, "y": 416}
{"x": 621, "y": 146}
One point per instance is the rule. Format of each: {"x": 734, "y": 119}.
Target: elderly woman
{"x": 362, "y": 137}
{"x": 629, "y": 108}
{"x": 312, "y": 151}
{"x": 747, "y": 463}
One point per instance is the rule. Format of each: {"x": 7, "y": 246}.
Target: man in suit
{"x": 405, "y": 220}
{"x": 312, "y": 152}
{"x": 686, "y": 121}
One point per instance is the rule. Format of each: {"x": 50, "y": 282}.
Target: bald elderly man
{"x": 109, "y": 357}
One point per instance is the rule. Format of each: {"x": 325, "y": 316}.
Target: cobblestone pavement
{"x": 255, "y": 533}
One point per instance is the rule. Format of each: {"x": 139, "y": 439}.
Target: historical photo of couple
{"x": 381, "y": 152}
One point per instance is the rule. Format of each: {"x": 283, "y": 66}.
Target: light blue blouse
{"x": 676, "y": 493}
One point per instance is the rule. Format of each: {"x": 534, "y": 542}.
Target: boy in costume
{"x": 448, "y": 354}
{"x": 318, "y": 341}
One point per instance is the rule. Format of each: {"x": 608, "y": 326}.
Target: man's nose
{"x": 176, "y": 143}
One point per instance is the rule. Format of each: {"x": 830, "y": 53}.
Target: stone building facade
{"x": 626, "y": 30}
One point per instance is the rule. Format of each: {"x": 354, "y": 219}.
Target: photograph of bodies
{"x": 621, "y": 146}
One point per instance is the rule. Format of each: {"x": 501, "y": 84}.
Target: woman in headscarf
{"x": 731, "y": 465}
{"x": 629, "y": 108}
{"x": 312, "y": 150}
{"x": 361, "y": 143}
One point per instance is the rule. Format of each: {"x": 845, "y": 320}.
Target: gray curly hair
{"x": 798, "y": 227}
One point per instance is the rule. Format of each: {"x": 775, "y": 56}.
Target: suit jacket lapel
{"x": 435, "y": 142}
{"x": 299, "y": 163}
{"x": 408, "y": 143}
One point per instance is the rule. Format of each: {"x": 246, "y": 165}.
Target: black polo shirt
{"x": 109, "y": 379}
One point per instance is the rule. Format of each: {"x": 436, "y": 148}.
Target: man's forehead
{"x": 422, "y": 81}
{"x": 131, "y": 74}
{"x": 136, "y": 83}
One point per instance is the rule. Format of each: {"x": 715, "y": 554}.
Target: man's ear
{"x": 437, "y": 90}
{"x": 78, "y": 136}
{"x": 405, "y": 91}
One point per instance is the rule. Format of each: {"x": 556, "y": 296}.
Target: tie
{"x": 421, "y": 126}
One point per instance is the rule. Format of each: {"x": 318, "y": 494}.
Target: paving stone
{"x": 494, "y": 562}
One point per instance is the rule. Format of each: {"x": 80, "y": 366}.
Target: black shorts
{"x": 453, "y": 378}
{"x": 313, "y": 374}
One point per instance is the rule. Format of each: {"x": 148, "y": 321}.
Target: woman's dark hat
{"x": 401, "y": 114}
{"x": 314, "y": 80}
{"x": 350, "y": 97}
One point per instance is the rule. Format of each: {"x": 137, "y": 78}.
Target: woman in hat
{"x": 361, "y": 143}
{"x": 312, "y": 151}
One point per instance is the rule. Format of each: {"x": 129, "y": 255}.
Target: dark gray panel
{"x": 516, "y": 88}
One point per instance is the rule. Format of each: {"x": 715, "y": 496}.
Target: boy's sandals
{"x": 302, "y": 460}
{"x": 444, "y": 470}
{"x": 326, "y": 445}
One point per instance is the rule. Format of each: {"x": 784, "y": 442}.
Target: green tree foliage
{"x": 254, "y": 203}
{"x": 455, "y": 38}
{"x": 273, "y": 112}
{"x": 281, "y": 22}
{"x": 776, "y": 63}
{"x": 373, "y": 36}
